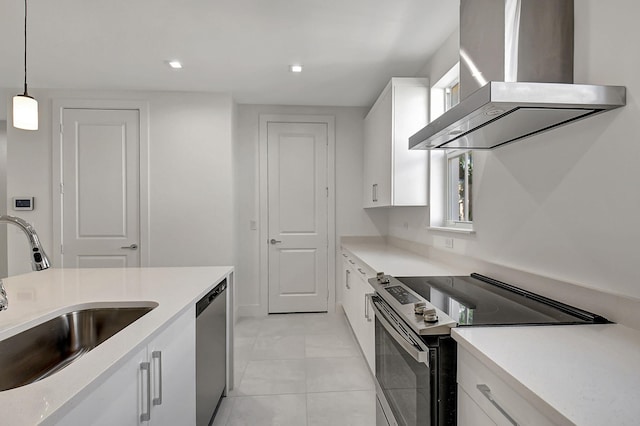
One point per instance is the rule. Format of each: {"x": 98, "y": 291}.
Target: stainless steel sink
{"x": 47, "y": 348}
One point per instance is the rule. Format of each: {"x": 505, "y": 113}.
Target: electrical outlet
{"x": 253, "y": 225}
{"x": 448, "y": 243}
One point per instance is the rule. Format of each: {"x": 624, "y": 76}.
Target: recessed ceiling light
{"x": 176, "y": 65}
{"x": 295, "y": 68}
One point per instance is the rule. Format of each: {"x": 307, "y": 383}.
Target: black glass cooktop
{"x": 479, "y": 300}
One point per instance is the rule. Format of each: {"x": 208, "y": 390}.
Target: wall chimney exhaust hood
{"x": 516, "y": 75}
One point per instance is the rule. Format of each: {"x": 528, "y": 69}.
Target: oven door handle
{"x": 418, "y": 350}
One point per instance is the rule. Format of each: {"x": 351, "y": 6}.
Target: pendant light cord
{"x": 25, "y": 48}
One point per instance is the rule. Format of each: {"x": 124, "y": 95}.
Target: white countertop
{"x": 397, "y": 262}
{"x": 40, "y": 296}
{"x": 583, "y": 375}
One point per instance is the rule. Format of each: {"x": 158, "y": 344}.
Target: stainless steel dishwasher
{"x": 211, "y": 352}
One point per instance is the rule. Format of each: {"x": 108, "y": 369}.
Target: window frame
{"x": 440, "y": 195}
{"x": 451, "y": 194}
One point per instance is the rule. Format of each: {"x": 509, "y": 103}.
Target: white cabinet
{"x": 484, "y": 399}
{"x": 174, "y": 374}
{"x": 158, "y": 380}
{"x": 470, "y": 413}
{"x": 394, "y": 175}
{"x": 366, "y": 336}
{"x": 117, "y": 401}
{"x": 356, "y": 306}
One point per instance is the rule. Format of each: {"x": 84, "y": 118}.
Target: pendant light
{"x": 25, "y": 107}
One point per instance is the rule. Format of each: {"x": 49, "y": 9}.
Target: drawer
{"x": 470, "y": 413}
{"x": 493, "y": 396}
{"x": 360, "y": 269}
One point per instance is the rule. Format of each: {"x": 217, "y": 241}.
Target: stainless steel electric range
{"x": 415, "y": 354}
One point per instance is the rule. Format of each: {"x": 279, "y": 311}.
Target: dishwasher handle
{"x": 210, "y": 297}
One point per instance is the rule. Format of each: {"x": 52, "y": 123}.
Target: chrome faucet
{"x": 39, "y": 259}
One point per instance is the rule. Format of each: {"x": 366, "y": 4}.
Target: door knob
{"x": 131, "y": 247}
{"x": 274, "y": 241}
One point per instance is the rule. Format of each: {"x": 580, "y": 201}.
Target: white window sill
{"x": 451, "y": 229}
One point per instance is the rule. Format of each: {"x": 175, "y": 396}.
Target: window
{"x": 452, "y": 95}
{"x": 451, "y": 171}
{"x": 459, "y": 188}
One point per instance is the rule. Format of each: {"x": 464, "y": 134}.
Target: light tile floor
{"x": 298, "y": 370}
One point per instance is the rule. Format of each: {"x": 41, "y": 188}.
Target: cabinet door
{"x": 367, "y": 331}
{"x": 367, "y": 168}
{"x": 344, "y": 280}
{"x": 350, "y": 296}
{"x": 493, "y": 396}
{"x": 117, "y": 401}
{"x": 381, "y": 150}
{"x": 377, "y": 152}
{"x": 469, "y": 413}
{"x": 410, "y": 167}
{"x": 168, "y": 367}
{"x": 173, "y": 367}
{"x": 393, "y": 174}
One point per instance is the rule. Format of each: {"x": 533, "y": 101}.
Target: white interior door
{"x": 101, "y": 188}
{"x": 297, "y": 210}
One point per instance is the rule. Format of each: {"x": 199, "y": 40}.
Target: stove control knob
{"x": 382, "y": 278}
{"x": 430, "y": 315}
{"x": 418, "y": 308}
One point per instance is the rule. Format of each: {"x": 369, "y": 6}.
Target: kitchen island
{"x": 39, "y": 296}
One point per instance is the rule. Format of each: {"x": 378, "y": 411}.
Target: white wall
{"x": 565, "y": 203}
{"x": 190, "y": 175}
{"x": 351, "y": 219}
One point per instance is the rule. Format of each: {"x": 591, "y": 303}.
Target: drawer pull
{"x": 145, "y": 416}
{"x": 157, "y": 355}
{"x": 486, "y": 391}
{"x": 344, "y": 255}
{"x": 352, "y": 262}
{"x": 361, "y": 271}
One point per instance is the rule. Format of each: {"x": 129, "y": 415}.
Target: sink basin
{"x": 47, "y": 348}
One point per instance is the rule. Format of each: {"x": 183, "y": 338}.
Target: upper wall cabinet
{"x": 394, "y": 175}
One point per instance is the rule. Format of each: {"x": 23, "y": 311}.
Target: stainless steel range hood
{"x": 499, "y": 113}
{"x": 526, "y": 48}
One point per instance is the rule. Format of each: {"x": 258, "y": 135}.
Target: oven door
{"x": 403, "y": 370}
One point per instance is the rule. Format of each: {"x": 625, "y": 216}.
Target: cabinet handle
{"x": 346, "y": 280}
{"x": 366, "y": 307}
{"x": 157, "y": 355}
{"x": 344, "y": 255}
{"x": 144, "y": 367}
{"x": 352, "y": 262}
{"x": 367, "y": 303}
{"x": 486, "y": 391}
{"x": 374, "y": 192}
{"x": 361, "y": 271}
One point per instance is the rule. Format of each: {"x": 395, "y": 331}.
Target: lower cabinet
{"x": 470, "y": 413}
{"x": 357, "y": 307}
{"x": 484, "y": 399}
{"x": 155, "y": 386}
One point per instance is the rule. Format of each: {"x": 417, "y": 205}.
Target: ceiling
{"x": 349, "y": 48}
